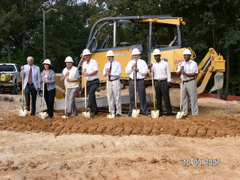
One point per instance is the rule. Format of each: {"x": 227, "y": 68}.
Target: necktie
{"x": 30, "y": 76}
{"x": 110, "y": 69}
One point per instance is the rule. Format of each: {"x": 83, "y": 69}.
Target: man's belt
{"x": 137, "y": 79}
{"x": 114, "y": 79}
{"x": 160, "y": 80}
{"x": 93, "y": 80}
{"x": 188, "y": 80}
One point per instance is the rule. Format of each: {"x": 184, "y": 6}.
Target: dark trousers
{"x": 30, "y": 89}
{"x": 49, "y": 98}
{"x": 162, "y": 91}
{"x": 91, "y": 88}
{"x": 141, "y": 94}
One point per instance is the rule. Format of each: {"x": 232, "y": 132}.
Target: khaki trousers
{"x": 190, "y": 89}
{"x": 115, "y": 94}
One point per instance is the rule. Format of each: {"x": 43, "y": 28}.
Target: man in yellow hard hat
{"x": 188, "y": 70}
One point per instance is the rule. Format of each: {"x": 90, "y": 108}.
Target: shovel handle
{"x": 135, "y": 89}
{"x": 22, "y": 87}
{"x": 109, "y": 97}
{"x": 85, "y": 93}
{"x": 66, "y": 84}
{"x": 43, "y": 95}
{"x": 181, "y": 84}
{"x": 153, "y": 92}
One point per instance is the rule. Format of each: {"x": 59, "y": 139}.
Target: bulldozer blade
{"x": 180, "y": 115}
{"x": 218, "y": 82}
{"x": 22, "y": 112}
{"x": 135, "y": 113}
{"x": 111, "y": 116}
{"x": 155, "y": 113}
{"x": 42, "y": 115}
{"x": 86, "y": 114}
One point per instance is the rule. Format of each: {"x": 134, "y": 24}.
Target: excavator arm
{"x": 212, "y": 62}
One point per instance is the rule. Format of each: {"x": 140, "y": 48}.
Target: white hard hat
{"x": 69, "y": 59}
{"x": 187, "y": 52}
{"x": 157, "y": 52}
{"x": 47, "y": 61}
{"x": 135, "y": 51}
{"x": 110, "y": 53}
{"x": 86, "y": 52}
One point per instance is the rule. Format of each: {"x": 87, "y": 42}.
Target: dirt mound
{"x": 204, "y": 126}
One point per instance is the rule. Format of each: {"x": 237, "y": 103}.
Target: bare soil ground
{"x": 121, "y": 148}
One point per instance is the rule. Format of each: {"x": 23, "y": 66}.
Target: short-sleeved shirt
{"x": 189, "y": 67}
{"x": 91, "y": 67}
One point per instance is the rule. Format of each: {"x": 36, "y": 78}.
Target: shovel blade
{"x": 155, "y": 114}
{"x": 86, "y": 114}
{"x": 111, "y": 116}
{"x": 180, "y": 115}
{"x": 65, "y": 116}
{"x": 22, "y": 112}
{"x": 135, "y": 113}
{"x": 42, "y": 115}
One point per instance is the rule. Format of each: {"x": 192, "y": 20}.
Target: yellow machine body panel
{"x": 5, "y": 77}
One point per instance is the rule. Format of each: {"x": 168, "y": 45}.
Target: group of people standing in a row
{"x": 70, "y": 75}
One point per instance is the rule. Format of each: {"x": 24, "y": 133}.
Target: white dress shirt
{"x": 189, "y": 67}
{"x": 161, "y": 71}
{"x": 116, "y": 70}
{"x": 91, "y": 67}
{"x": 141, "y": 66}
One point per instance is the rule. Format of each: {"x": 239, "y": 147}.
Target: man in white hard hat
{"x": 113, "y": 70}
{"x": 162, "y": 78}
{"x": 90, "y": 71}
{"x": 70, "y": 76}
{"x": 140, "y": 66}
{"x": 31, "y": 83}
{"x": 189, "y": 70}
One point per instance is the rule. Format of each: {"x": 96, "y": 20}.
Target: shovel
{"x": 154, "y": 113}
{"x": 135, "y": 112}
{"x": 23, "y": 111}
{"x": 86, "y": 113}
{"x": 66, "y": 116}
{"x": 42, "y": 114}
{"x": 180, "y": 113}
{"x": 110, "y": 115}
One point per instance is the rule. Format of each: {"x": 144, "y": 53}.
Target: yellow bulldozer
{"x": 163, "y": 32}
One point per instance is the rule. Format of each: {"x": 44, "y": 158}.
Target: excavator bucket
{"x": 218, "y": 82}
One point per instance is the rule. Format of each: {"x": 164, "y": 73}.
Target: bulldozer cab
{"x": 155, "y": 31}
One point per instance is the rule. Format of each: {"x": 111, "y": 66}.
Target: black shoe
{"x": 94, "y": 114}
{"x": 88, "y": 109}
{"x": 32, "y": 114}
{"x": 27, "y": 108}
{"x": 128, "y": 115}
{"x": 170, "y": 114}
{"x": 118, "y": 115}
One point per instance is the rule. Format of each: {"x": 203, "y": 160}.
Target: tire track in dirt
{"x": 204, "y": 126}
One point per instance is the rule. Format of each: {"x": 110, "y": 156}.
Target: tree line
{"x": 212, "y": 23}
